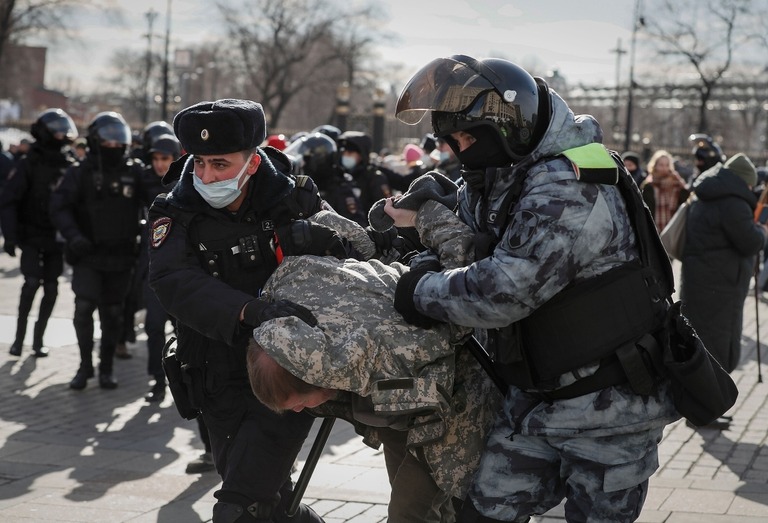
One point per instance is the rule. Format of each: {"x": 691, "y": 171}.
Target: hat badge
{"x": 204, "y": 134}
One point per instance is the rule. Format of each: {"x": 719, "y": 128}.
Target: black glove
{"x": 10, "y": 247}
{"x": 385, "y": 241}
{"x": 80, "y": 246}
{"x": 304, "y": 237}
{"x": 258, "y": 311}
{"x": 406, "y": 286}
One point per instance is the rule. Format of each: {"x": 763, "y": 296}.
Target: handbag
{"x": 701, "y": 389}
{"x": 673, "y": 235}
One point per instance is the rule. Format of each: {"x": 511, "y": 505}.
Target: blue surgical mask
{"x": 349, "y": 162}
{"x": 445, "y": 156}
{"x": 222, "y": 193}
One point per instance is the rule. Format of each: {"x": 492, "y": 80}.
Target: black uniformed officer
{"x": 26, "y": 222}
{"x": 316, "y": 156}
{"x": 355, "y": 148}
{"x": 214, "y": 241}
{"x": 96, "y": 208}
{"x": 161, "y": 152}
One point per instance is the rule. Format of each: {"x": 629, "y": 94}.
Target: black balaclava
{"x": 487, "y": 151}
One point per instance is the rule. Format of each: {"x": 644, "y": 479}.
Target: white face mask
{"x": 348, "y": 162}
{"x": 222, "y": 193}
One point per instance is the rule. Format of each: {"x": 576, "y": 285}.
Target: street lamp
{"x": 343, "y": 93}
{"x": 151, "y": 15}
{"x": 379, "y": 104}
{"x": 637, "y": 21}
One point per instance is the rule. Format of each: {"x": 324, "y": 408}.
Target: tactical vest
{"x": 110, "y": 214}
{"x": 597, "y": 320}
{"x": 242, "y": 252}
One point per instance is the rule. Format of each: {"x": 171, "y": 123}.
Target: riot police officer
{"x": 96, "y": 207}
{"x": 547, "y": 235}
{"x": 26, "y": 221}
{"x": 316, "y": 156}
{"x": 214, "y": 241}
{"x": 706, "y": 152}
{"x": 373, "y": 185}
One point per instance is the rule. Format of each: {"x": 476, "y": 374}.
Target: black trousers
{"x": 105, "y": 291}
{"x": 253, "y": 448}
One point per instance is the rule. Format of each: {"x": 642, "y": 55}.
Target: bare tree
{"x": 130, "y": 81}
{"x": 20, "y": 19}
{"x": 702, "y": 35}
{"x": 291, "y": 46}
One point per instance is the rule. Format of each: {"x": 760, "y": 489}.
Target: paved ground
{"x": 107, "y": 456}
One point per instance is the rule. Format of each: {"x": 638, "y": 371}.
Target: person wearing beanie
{"x": 632, "y": 163}
{"x": 215, "y": 238}
{"x": 722, "y": 239}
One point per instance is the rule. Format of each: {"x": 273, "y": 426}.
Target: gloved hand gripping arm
{"x": 256, "y": 312}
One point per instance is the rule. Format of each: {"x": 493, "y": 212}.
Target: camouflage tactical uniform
{"x": 598, "y": 449}
{"x": 362, "y": 345}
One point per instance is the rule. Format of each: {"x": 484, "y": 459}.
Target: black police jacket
{"x": 25, "y": 198}
{"x": 206, "y": 263}
{"x": 104, "y": 207}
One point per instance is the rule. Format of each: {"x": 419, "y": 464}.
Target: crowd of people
{"x": 475, "y": 304}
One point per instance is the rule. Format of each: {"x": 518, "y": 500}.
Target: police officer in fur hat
{"x": 215, "y": 238}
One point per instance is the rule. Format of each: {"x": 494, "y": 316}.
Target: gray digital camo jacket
{"x": 362, "y": 345}
{"x": 561, "y": 231}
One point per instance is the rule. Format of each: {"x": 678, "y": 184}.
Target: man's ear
{"x": 253, "y": 166}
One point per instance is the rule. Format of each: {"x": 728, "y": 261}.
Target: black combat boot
{"x": 41, "y": 351}
{"x": 107, "y": 380}
{"x": 157, "y": 392}
{"x": 81, "y": 378}
{"x": 28, "y": 290}
{"x": 21, "y": 331}
{"x": 50, "y": 292}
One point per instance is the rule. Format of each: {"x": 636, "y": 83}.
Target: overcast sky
{"x": 574, "y": 37}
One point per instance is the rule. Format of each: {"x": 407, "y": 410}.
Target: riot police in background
{"x": 163, "y": 151}
{"x": 143, "y": 142}
{"x": 96, "y": 208}
{"x": 26, "y": 222}
{"x": 355, "y": 149}
{"x": 316, "y": 155}
{"x": 152, "y": 131}
{"x": 706, "y": 152}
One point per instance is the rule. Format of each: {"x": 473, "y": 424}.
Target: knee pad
{"x": 84, "y": 310}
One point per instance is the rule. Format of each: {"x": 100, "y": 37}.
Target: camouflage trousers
{"x": 603, "y": 479}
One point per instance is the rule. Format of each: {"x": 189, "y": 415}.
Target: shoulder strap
{"x": 304, "y": 199}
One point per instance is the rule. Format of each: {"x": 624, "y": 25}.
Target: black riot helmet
{"x": 165, "y": 144}
{"x": 314, "y": 155}
{"x": 492, "y": 94}
{"x": 706, "y": 152}
{"x": 109, "y": 137}
{"x": 328, "y": 130}
{"x": 54, "y": 129}
{"x": 154, "y": 130}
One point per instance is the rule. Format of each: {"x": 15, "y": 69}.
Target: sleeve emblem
{"x": 160, "y": 229}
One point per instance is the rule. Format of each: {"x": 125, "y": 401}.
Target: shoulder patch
{"x": 160, "y": 229}
{"x": 523, "y": 226}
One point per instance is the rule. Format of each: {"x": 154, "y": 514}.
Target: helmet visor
{"x": 114, "y": 132}
{"x": 62, "y": 129}
{"x": 445, "y": 85}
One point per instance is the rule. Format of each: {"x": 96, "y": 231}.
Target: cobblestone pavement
{"x": 108, "y": 456}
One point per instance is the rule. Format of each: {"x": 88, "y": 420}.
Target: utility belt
{"x": 191, "y": 378}
{"x": 184, "y": 381}
{"x": 607, "y": 319}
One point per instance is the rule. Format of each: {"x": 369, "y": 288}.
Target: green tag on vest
{"x": 593, "y": 164}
